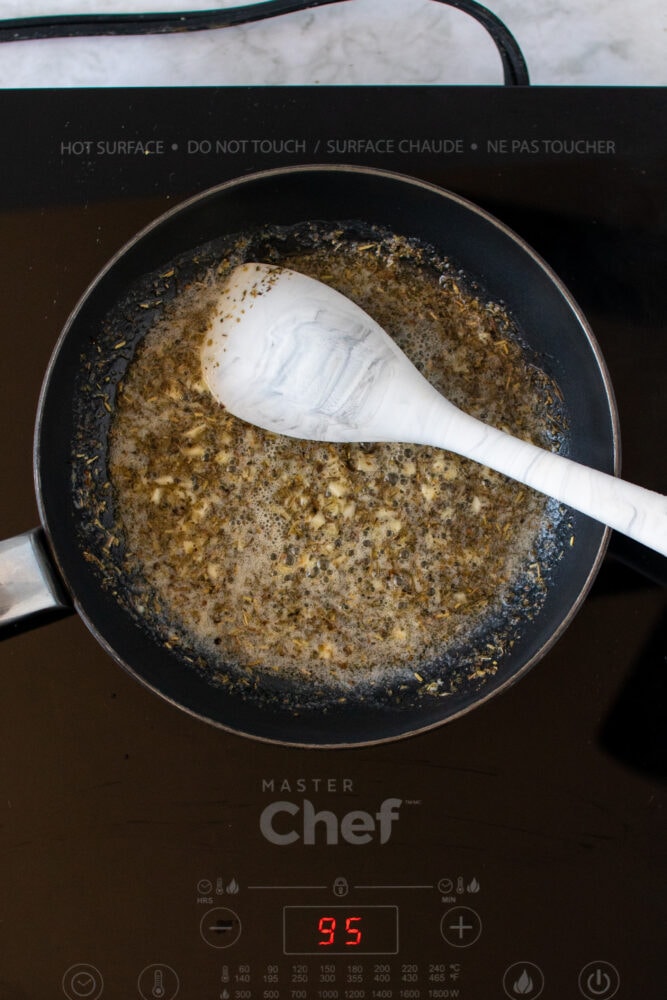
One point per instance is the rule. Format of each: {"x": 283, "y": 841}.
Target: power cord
{"x": 515, "y": 70}
{"x": 20, "y": 29}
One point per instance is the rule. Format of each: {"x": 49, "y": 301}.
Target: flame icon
{"x": 473, "y": 886}
{"x": 233, "y": 887}
{"x": 523, "y": 985}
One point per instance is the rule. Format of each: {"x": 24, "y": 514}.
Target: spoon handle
{"x": 634, "y": 511}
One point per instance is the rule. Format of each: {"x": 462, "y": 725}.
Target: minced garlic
{"x": 331, "y": 561}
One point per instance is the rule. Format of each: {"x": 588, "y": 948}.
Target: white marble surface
{"x": 567, "y": 42}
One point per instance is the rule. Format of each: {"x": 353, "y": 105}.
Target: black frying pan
{"x": 506, "y": 269}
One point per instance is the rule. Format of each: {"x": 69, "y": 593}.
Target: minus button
{"x": 220, "y": 927}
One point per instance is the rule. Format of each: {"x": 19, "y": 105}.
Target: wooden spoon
{"x": 291, "y": 355}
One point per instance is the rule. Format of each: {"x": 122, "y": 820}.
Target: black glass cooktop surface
{"x": 519, "y": 851}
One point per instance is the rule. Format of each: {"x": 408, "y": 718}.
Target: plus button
{"x": 461, "y": 926}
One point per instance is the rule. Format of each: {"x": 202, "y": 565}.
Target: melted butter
{"x": 338, "y": 563}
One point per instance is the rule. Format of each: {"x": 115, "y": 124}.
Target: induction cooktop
{"x": 520, "y": 851}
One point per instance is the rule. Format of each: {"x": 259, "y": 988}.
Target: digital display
{"x": 340, "y": 930}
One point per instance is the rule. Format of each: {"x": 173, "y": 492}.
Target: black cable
{"x": 514, "y": 65}
{"x": 20, "y": 29}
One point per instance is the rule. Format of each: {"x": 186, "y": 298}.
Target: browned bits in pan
{"x": 343, "y": 563}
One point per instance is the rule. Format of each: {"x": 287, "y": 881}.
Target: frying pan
{"x": 493, "y": 257}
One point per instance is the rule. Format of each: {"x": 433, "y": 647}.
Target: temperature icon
{"x": 158, "y": 982}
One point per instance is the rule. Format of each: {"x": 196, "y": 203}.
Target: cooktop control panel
{"x": 343, "y": 937}
{"x": 360, "y": 889}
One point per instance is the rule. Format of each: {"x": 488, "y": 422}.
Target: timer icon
{"x": 82, "y": 982}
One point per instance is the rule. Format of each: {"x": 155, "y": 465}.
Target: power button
{"x": 599, "y": 981}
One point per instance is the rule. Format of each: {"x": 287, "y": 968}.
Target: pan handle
{"x": 30, "y": 589}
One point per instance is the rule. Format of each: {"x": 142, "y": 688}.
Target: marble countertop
{"x": 567, "y": 42}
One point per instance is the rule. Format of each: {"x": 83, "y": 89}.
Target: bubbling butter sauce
{"x": 336, "y": 565}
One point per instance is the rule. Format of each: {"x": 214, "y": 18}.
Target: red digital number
{"x": 353, "y": 932}
{"x": 327, "y": 928}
